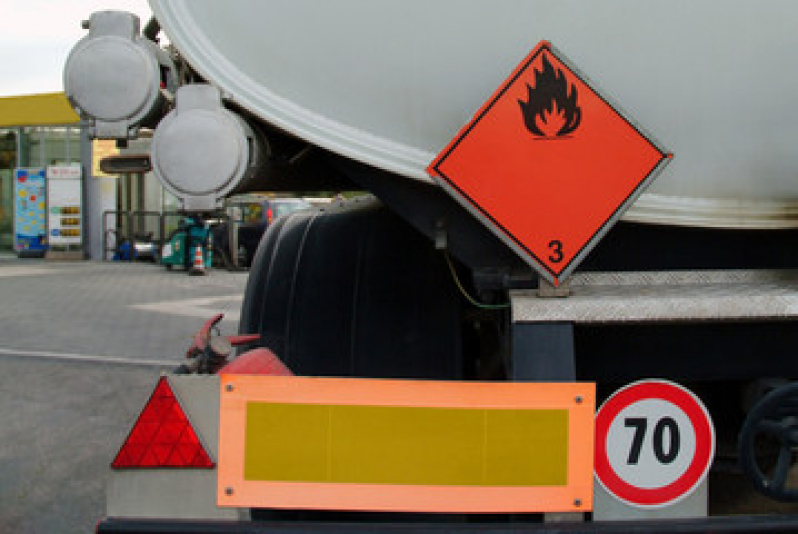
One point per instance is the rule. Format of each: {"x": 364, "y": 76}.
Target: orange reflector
{"x": 162, "y": 436}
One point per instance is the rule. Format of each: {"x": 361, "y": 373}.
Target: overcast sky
{"x": 37, "y": 35}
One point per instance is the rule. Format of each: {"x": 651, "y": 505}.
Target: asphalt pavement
{"x": 82, "y": 345}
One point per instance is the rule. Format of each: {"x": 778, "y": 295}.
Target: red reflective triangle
{"x": 162, "y": 436}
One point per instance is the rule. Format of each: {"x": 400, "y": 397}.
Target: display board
{"x": 64, "y": 212}
{"x": 30, "y": 235}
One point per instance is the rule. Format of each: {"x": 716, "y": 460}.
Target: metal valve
{"x": 768, "y": 442}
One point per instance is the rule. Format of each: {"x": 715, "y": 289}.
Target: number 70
{"x": 640, "y": 424}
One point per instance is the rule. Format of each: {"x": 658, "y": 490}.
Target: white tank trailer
{"x": 695, "y": 283}
{"x": 390, "y": 85}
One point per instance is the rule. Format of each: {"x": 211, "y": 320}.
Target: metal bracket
{"x": 548, "y": 290}
{"x": 543, "y": 352}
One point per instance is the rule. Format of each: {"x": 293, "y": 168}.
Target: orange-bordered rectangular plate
{"x": 405, "y": 445}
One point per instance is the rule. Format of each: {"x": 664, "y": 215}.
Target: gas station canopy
{"x": 36, "y": 110}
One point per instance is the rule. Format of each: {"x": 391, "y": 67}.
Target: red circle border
{"x": 695, "y": 472}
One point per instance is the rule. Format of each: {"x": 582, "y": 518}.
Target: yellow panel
{"x": 36, "y": 110}
{"x": 527, "y": 448}
{"x": 389, "y": 445}
{"x": 398, "y": 445}
{"x": 288, "y": 441}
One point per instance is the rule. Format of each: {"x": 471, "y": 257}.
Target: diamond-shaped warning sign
{"x": 548, "y": 163}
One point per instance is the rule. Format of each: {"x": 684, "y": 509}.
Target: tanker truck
{"x": 563, "y": 301}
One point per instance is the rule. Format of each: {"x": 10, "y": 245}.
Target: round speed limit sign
{"x": 654, "y": 443}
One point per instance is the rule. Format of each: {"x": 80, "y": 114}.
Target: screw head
{"x": 577, "y": 502}
{"x": 579, "y": 399}
{"x": 228, "y": 387}
{"x": 228, "y": 491}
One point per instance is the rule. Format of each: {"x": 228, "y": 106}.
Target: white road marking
{"x": 87, "y": 358}
{"x": 204, "y": 307}
{"x": 27, "y": 271}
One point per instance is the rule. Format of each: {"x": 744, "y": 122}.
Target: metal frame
{"x": 130, "y": 226}
{"x": 543, "y": 352}
{"x": 350, "y": 524}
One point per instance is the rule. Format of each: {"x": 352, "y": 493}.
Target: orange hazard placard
{"x": 548, "y": 164}
{"x": 405, "y": 445}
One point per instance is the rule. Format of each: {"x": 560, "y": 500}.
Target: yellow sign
{"x": 101, "y": 148}
{"x": 401, "y": 445}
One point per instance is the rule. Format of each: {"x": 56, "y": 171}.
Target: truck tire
{"x": 354, "y": 291}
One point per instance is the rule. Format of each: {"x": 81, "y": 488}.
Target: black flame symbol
{"x": 551, "y": 98}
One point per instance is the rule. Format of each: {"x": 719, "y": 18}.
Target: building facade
{"x": 35, "y": 131}
{"x": 38, "y": 131}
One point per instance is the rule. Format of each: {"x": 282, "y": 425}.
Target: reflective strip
{"x": 397, "y": 445}
{"x": 405, "y": 445}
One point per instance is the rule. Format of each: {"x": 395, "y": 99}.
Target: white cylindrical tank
{"x": 389, "y": 83}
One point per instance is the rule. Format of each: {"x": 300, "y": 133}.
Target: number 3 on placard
{"x": 556, "y": 251}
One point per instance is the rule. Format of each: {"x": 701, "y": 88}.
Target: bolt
{"x": 228, "y": 491}
{"x": 577, "y": 502}
{"x": 579, "y": 399}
